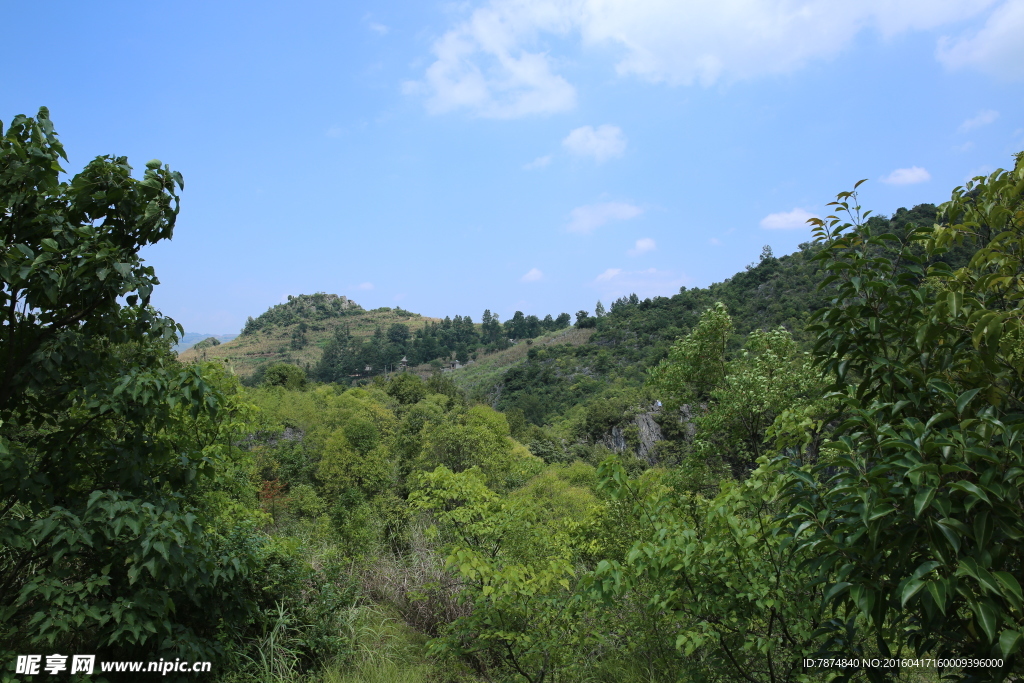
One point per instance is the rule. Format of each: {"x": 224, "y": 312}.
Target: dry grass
{"x": 244, "y": 354}
{"x": 517, "y": 353}
{"x": 416, "y": 586}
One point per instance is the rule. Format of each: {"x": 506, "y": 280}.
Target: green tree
{"x": 515, "y": 327}
{"x": 734, "y": 403}
{"x": 532, "y": 327}
{"x": 479, "y": 438}
{"x": 398, "y": 334}
{"x": 351, "y": 459}
{"x": 517, "y": 572}
{"x": 696, "y": 364}
{"x": 342, "y": 357}
{"x": 284, "y": 375}
{"x": 719, "y": 575}
{"x": 583, "y": 319}
{"x": 914, "y": 513}
{"x": 103, "y": 435}
{"x": 407, "y": 387}
{"x": 299, "y": 340}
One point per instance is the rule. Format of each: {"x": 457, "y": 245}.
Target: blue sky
{"x": 514, "y": 154}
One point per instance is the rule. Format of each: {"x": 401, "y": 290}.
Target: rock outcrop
{"x": 642, "y": 430}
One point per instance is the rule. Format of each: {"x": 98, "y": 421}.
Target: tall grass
{"x": 416, "y": 585}
{"x": 385, "y": 672}
{"x": 276, "y": 659}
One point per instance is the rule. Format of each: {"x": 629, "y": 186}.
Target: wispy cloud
{"x": 483, "y": 65}
{"x": 532, "y": 275}
{"x": 498, "y": 61}
{"x": 784, "y": 220}
{"x": 983, "y": 118}
{"x": 585, "y": 219}
{"x": 996, "y": 48}
{"x": 365, "y": 285}
{"x": 539, "y": 162}
{"x": 601, "y": 143}
{"x": 379, "y": 29}
{"x": 335, "y": 132}
{"x": 608, "y": 275}
{"x": 643, "y": 245}
{"x": 907, "y": 176}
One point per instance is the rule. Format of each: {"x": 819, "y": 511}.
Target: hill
{"x": 335, "y": 340}
{"x": 190, "y": 339}
{"x": 297, "y": 331}
{"x": 547, "y": 382}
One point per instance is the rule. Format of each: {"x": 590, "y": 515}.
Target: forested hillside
{"x": 811, "y": 471}
{"x": 334, "y": 340}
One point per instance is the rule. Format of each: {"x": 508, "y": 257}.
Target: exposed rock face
{"x": 292, "y": 434}
{"x": 289, "y": 434}
{"x": 616, "y": 441}
{"x": 647, "y": 433}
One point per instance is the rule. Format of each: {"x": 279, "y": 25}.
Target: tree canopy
{"x": 104, "y": 438}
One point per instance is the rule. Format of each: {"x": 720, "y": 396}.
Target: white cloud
{"x": 966, "y": 147}
{"x": 715, "y": 242}
{"x": 616, "y": 282}
{"x": 365, "y": 285}
{"x": 996, "y": 49}
{"x": 784, "y": 220}
{"x": 482, "y": 64}
{"x": 643, "y": 245}
{"x": 379, "y": 29}
{"x": 539, "y": 162}
{"x": 532, "y": 275}
{"x": 982, "y": 119}
{"x": 585, "y": 219}
{"x": 335, "y": 131}
{"x": 907, "y": 176}
{"x": 496, "y": 62}
{"x": 602, "y": 143}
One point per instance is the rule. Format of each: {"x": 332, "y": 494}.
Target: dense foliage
{"x": 347, "y": 356}
{"x": 819, "y": 458}
{"x": 914, "y": 516}
{"x": 105, "y": 442}
{"x": 305, "y": 308}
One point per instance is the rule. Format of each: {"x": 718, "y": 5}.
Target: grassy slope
{"x": 479, "y": 377}
{"x": 245, "y": 353}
